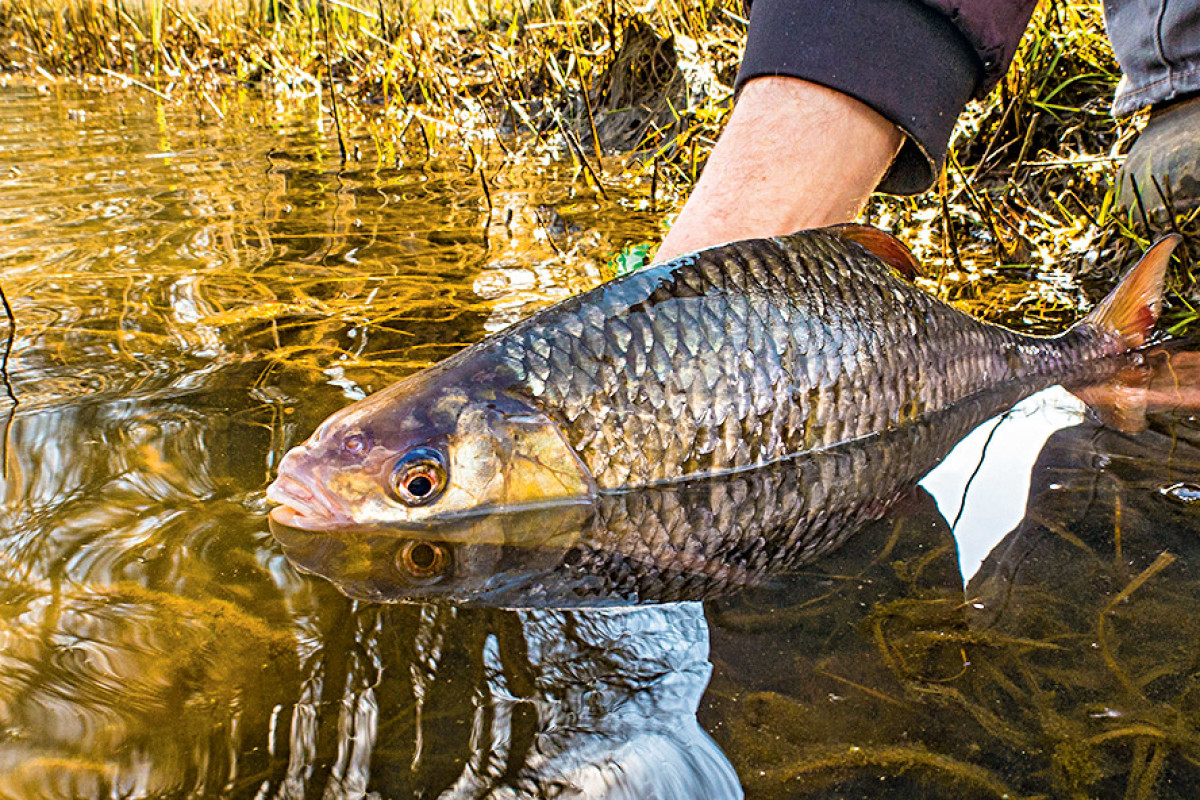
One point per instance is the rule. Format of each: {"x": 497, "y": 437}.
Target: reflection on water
{"x": 194, "y": 298}
{"x": 1066, "y": 668}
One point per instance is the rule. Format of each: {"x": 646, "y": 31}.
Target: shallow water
{"x": 193, "y": 296}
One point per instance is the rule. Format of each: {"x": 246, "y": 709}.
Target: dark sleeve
{"x": 994, "y": 29}
{"x": 915, "y": 64}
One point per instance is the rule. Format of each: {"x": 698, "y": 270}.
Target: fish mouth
{"x": 303, "y": 508}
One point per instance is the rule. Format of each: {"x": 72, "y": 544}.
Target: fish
{"x": 726, "y": 360}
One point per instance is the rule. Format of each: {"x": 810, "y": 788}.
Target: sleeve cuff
{"x": 904, "y": 60}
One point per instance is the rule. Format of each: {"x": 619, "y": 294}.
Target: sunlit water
{"x": 193, "y": 296}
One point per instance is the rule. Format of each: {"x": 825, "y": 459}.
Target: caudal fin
{"x": 1132, "y": 308}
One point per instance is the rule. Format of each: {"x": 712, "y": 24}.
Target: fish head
{"x": 436, "y": 445}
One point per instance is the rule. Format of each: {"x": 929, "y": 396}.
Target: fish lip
{"x": 292, "y": 518}
{"x": 303, "y": 507}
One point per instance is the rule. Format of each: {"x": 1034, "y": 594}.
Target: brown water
{"x": 195, "y": 295}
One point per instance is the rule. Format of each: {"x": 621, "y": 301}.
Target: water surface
{"x": 195, "y": 295}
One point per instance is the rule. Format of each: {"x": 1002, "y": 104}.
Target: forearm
{"x": 830, "y": 95}
{"x": 794, "y": 155}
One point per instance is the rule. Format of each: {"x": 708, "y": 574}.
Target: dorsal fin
{"x": 883, "y": 245}
{"x": 1132, "y": 308}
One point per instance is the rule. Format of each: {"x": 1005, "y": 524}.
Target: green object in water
{"x": 630, "y": 259}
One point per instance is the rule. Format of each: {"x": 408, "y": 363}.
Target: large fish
{"x": 729, "y": 359}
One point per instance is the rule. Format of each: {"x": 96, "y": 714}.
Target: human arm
{"x": 793, "y": 155}
{"x": 830, "y": 96}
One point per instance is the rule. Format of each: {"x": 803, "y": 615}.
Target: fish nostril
{"x": 322, "y": 431}
{"x": 291, "y": 461}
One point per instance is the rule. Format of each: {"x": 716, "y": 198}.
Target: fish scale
{"x": 831, "y": 339}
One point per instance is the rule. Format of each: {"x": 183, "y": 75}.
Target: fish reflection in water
{"x": 1071, "y": 651}
{"x": 1130, "y": 491}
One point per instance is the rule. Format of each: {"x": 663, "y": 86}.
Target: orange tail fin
{"x": 1132, "y": 308}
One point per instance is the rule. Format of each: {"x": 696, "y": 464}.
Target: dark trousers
{"x": 1157, "y": 43}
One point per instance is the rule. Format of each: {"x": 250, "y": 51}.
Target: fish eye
{"x": 423, "y": 560}
{"x": 419, "y": 477}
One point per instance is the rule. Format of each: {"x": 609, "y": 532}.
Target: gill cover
{"x": 499, "y": 460}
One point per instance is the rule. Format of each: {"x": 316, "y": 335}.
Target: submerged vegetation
{"x": 1019, "y": 226}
